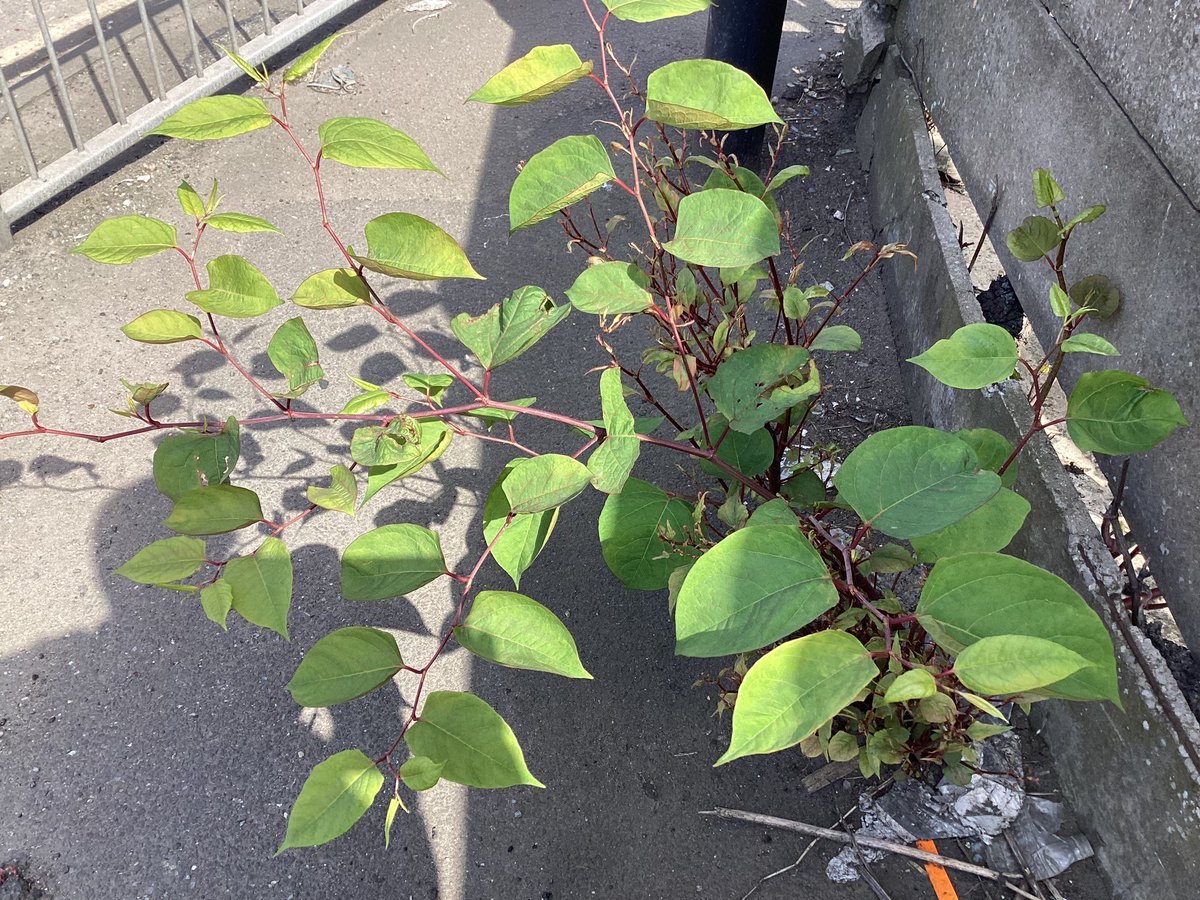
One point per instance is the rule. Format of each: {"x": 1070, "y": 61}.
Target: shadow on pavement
{"x": 162, "y": 756}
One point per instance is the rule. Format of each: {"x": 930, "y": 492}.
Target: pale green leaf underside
{"x": 262, "y": 585}
{"x": 170, "y": 559}
{"x": 759, "y": 383}
{"x": 402, "y": 245}
{"x": 631, "y": 526}
{"x": 240, "y": 223}
{"x": 1013, "y": 663}
{"x": 340, "y": 496}
{"x": 914, "y": 684}
{"x": 516, "y": 631}
{"x": 980, "y": 595}
{"x": 654, "y": 10}
{"x": 345, "y": 665}
{"x": 211, "y": 118}
{"x": 332, "y": 289}
{"x": 371, "y": 144}
{"x": 565, "y": 172}
{"x": 474, "y": 745}
{"x": 163, "y": 326}
{"x": 544, "y": 482}
{"x": 523, "y": 538}
{"x": 308, "y": 60}
{"x": 610, "y": 289}
{"x": 336, "y": 795}
{"x": 913, "y": 481}
{"x": 390, "y": 561}
{"x": 420, "y": 773}
{"x": 214, "y": 509}
{"x": 1118, "y": 413}
{"x": 538, "y": 74}
{"x": 706, "y": 94}
{"x": 795, "y": 689}
{"x": 124, "y": 239}
{"x": 510, "y": 327}
{"x": 756, "y": 586}
{"x": 975, "y": 356}
{"x": 990, "y": 528}
{"x": 614, "y": 459}
{"x": 236, "y": 289}
{"x": 724, "y": 228}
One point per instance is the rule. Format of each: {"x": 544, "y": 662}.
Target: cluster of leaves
{"x": 788, "y": 570}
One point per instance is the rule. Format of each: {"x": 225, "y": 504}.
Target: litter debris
{"x": 828, "y": 774}
{"x": 864, "y": 841}
{"x": 1035, "y": 836}
{"x": 416, "y": 22}
{"x": 427, "y": 6}
{"x": 338, "y": 80}
{"x": 914, "y": 810}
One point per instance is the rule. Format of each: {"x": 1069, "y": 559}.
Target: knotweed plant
{"x": 777, "y": 567}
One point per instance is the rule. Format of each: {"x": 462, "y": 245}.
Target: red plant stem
{"x": 710, "y": 456}
{"x": 219, "y": 346}
{"x": 491, "y": 438}
{"x": 277, "y": 529}
{"x": 467, "y": 583}
{"x": 648, "y": 395}
{"x": 837, "y": 305}
{"x": 625, "y": 128}
{"x": 1037, "y": 426}
{"x": 379, "y": 306}
{"x": 863, "y": 530}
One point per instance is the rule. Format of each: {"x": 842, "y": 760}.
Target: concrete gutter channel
{"x": 1129, "y": 775}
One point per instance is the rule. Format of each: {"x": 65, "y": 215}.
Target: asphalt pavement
{"x": 143, "y": 752}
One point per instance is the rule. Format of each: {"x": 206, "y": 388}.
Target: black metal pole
{"x": 746, "y": 34}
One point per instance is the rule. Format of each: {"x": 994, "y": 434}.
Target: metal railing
{"x": 115, "y": 62}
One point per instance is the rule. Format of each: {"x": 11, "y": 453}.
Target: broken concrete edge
{"x": 1104, "y": 756}
{"x": 868, "y": 34}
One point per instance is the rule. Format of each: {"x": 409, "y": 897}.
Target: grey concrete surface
{"x": 1146, "y": 55}
{"x": 143, "y": 753}
{"x": 1124, "y": 771}
{"x": 1029, "y": 99}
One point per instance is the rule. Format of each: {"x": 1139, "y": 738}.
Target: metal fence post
{"x": 746, "y": 34}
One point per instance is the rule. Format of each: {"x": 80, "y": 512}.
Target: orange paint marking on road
{"x": 942, "y": 886}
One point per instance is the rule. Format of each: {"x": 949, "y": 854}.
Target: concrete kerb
{"x": 1010, "y": 90}
{"x": 1127, "y": 773}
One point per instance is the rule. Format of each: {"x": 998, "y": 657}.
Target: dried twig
{"x": 1020, "y": 858}
{"x": 841, "y": 837}
{"x": 874, "y": 792}
{"x": 864, "y": 870}
{"x": 987, "y": 226}
{"x": 827, "y": 775}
